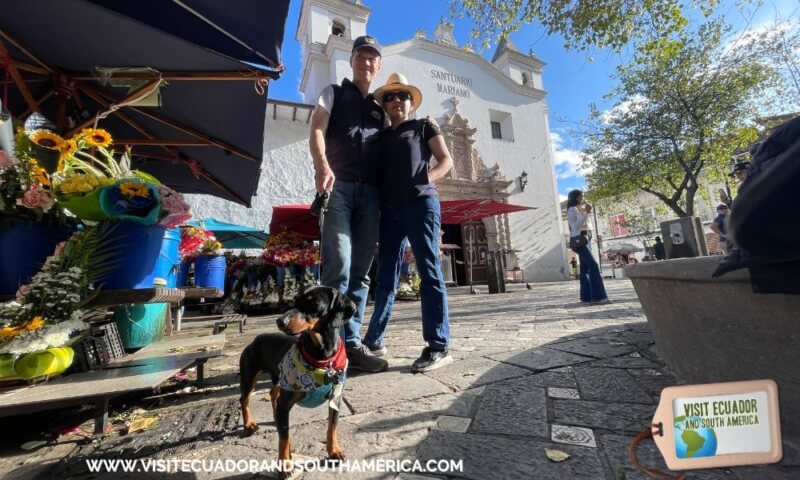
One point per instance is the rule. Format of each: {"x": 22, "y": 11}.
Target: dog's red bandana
{"x": 338, "y": 361}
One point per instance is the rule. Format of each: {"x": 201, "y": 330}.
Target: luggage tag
{"x": 719, "y": 425}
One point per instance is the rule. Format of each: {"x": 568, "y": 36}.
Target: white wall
{"x": 286, "y": 178}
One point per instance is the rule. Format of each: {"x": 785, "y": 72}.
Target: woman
{"x": 410, "y": 209}
{"x": 592, "y": 288}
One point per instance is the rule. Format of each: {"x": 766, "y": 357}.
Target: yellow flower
{"x": 40, "y": 175}
{"x": 133, "y": 189}
{"x": 96, "y": 137}
{"x": 68, "y": 148}
{"x": 11, "y": 332}
{"x": 47, "y": 139}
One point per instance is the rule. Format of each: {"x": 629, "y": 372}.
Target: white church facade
{"x": 493, "y": 116}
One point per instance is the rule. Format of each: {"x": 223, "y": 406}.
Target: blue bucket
{"x": 140, "y": 325}
{"x": 167, "y": 264}
{"x": 209, "y": 271}
{"x": 137, "y": 248}
{"x": 24, "y": 246}
{"x": 182, "y": 279}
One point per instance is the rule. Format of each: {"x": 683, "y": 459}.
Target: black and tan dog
{"x": 317, "y": 316}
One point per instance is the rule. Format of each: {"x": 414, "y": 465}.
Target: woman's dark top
{"x": 405, "y": 160}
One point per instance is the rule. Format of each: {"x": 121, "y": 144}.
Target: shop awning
{"x": 208, "y": 61}
{"x": 232, "y": 235}
{"x": 295, "y": 218}
{"x": 456, "y": 212}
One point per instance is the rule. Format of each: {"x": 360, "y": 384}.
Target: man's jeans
{"x": 349, "y": 234}
{"x": 420, "y": 221}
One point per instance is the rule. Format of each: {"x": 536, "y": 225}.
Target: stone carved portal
{"x": 470, "y": 178}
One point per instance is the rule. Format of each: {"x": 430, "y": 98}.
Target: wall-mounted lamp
{"x": 523, "y": 180}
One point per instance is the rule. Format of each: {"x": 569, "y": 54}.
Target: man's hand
{"x": 324, "y": 179}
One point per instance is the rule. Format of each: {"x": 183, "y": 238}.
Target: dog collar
{"x": 337, "y": 361}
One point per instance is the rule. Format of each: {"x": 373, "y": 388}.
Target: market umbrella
{"x": 295, "y": 218}
{"x": 465, "y": 211}
{"x": 622, "y": 247}
{"x": 202, "y": 66}
{"x": 232, "y": 235}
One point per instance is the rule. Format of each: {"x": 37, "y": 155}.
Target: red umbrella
{"x": 456, "y": 212}
{"x": 296, "y": 218}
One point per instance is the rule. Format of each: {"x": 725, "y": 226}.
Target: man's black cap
{"x": 739, "y": 167}
{"x": 365, "y": 41}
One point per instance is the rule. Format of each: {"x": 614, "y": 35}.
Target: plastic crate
{"x": 99, "y": 347}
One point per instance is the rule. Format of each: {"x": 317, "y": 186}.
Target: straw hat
{"x": 398, "y": 82}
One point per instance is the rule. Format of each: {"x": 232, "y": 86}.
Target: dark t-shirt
{"x": 720, "y": 221}
{"x": 405, "y": 161}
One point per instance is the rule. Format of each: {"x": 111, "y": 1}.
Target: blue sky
{"x": 573, "y": 80}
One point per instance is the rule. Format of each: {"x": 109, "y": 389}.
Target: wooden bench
{"x": 220, "y": 322}
{"x": 146, "y": 369}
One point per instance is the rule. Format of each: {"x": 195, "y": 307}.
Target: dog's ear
{"x": 343, "y": 310}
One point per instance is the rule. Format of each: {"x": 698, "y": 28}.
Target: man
{"x": 344, "y": 146}
{"x": 720, "y": 227}
{"x": 658, "y": 250}
{"x": 740, "y": 173}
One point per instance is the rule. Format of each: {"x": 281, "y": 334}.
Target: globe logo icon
{"x": 692, "y": 440}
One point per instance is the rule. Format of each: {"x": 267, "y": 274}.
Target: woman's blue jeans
{"x": 592, "y": 288}
{"x": 419, "y": 221}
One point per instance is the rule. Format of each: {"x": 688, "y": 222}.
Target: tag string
{"x": 648, "y": 433}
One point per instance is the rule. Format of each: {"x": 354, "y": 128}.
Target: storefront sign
{"x": 452, "y": 84}
{"x": 719, "y": 425}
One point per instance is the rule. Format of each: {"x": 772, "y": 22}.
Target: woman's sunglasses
{"x": 390, "y": 96}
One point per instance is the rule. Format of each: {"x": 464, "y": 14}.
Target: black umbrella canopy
{"x": 72, "y": 60}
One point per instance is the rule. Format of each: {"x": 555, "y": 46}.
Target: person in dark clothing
{"x": 720, "y": 227}
{"x": 344, "y": 146}
{"x": 410, "y": 208}
{"x": 658, "y": 250}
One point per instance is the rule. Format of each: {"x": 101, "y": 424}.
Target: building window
{"x": 617, "y": 225}
{"x": 502, "y": 126}
{"x": 526, "y": 79}
{"x": 337, "y": 30}
{"x": 497, "y": 131}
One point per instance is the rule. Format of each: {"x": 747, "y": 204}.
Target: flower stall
{"x": 120, "y": 225}
{"x": 287, "y": 266}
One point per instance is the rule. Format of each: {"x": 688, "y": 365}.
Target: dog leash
{"x": 318, "y": 209}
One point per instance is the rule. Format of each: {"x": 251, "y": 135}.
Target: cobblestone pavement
{"x": 534, "y": 369}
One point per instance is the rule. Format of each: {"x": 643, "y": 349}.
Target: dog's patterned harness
{"x": 320, "y": 379}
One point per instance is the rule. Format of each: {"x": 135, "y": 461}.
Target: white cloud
{"x": 568, "y": 161}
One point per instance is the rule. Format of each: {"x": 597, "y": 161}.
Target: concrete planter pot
{"x": 717, "y": 330}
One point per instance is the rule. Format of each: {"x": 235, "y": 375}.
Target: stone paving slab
{"x": 476, "y": 371}
{"x": 540, "y": 358}
{"x": 492, "y": 457}
{"x": 609, "y": 384}
{"x": 601, "y": 347}
{"x": 627, "y": 417}
{"x": 513, "y": 407}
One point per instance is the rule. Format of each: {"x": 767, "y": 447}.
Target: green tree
{"x": 582, "y": 23}
{"x": 682, "y": 106}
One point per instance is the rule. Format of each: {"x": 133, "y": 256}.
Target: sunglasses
{"x": 390, "y": 96}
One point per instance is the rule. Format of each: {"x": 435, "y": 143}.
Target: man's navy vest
{"x": 351, "y": 141}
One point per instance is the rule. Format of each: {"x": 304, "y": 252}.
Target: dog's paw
{"x": 335, "y": 456}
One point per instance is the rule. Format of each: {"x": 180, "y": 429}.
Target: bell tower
{"x": 326, "y": 31}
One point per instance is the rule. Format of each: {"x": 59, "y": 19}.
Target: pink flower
{"x": 6, "y": 160}
{"x": 32, "y": 197}
{"x": 47, "y": 200}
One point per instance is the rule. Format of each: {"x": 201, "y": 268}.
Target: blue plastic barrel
{"x": 209, "y": 271}
{"x": 168, "y": 262}
{"x": 24, "y": 246}
{"x": 140, "y": 325}
{"x": 136, "y": 248}
{"x": 182, "y": 279}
